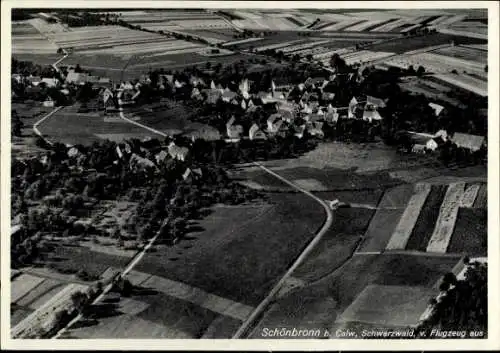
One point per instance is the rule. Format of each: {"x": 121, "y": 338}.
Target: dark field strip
{"x": 430, "y": 19}
{"x": 351, "y": 25}
{"x": 66, "y": 258}
{"x": 321, "y": 26}
{"x": 482, "y": 197}
{"x": 294, "y": 21}
{"x": 380, "y": 24}
{"x": 470, "y": 235}
{"x": 403, "y": 26}
{"x": 426, "y": 220}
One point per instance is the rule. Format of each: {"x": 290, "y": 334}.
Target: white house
{"x": 255, "y": 133}
{"x": 49, "y": 102}
{"x": 468, "y": 141}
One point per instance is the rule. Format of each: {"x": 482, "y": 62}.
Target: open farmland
{"x": 27, "y": 39}
{"x": 70, "y": 127}
{"x": 470, "y": 235}
{"x": 401, "y": 45}
{"x": 29, "y": 292}
{"x": 316, "y": 305}
{"x": 446, "y": 220}
{"x": 230, "y": 235}
{"x": 119, "y": 40}
{"x": 335, "y": 247}
{"x": 388, "y": 213}
{"x": 387, "y": 306}
{"x": 409, "y": 217}
{"x": 465, "y": 53}
{"x": 426, "y": 221}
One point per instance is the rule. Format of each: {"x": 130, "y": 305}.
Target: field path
{"x": 243, "y": 330}
{"x": 135, "y": 260}
{"x": 35, "y": 125}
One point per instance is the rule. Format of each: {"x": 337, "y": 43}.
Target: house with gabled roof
{"x": 438, "y": 109}
{"x": 77, "y": 78}
{"x": 228, "y": 96}
{"x": 254, "y": 133}
{"x": 371, "y": 115}
{"x": 50, "y": 81}
{"x": 212, "y": 94}
{"x": 176, "y": 152}
{"x": 374, "y": 103}
{"x": 471, "y": 142}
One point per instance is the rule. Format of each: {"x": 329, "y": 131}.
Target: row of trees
{"x": 464, "y": 303}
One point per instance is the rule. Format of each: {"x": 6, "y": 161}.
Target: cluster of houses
{"x": 35, "y": 84}
{"x": 425, "y": 142}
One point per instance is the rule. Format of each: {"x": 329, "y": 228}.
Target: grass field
{"x": 426, "y": 221}
{"x": 240, "y": 248}
{"x": 69, "y": 126}
{"x": 320, "y": 179}
{"x": 336, "y": 246}
{"x": 388, "y": 306}
{"x": 470, "y": 235}
{"x": 319, "y": 304}
{"x": 71, "y": 259}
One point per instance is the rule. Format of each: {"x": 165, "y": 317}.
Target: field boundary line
{"x": 243, "y": 329}
{"x": 35, "y": 125}
{"x": 141, "y": 125}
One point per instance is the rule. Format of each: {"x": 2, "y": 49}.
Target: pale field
{"x": 22, "y": 285}
{"x": 310, "y": 184}
{"x": 466, "y": 82}
{"x": 446, "y": 220}
{"x": 342, "y": 156}
{"x": 409, "y": 218}
{"x": 470, "y": 195}
{"x": 42, "y": 318}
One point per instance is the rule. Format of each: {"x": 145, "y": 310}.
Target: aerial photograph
{"x": 233, "y": 173}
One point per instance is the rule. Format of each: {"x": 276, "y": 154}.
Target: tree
{"x": 420, "y": 70}
{"x": 78, "y": 299}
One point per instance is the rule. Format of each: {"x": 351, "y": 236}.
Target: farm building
{"x": 371, "y": 115}
{"x": 255, "y": 133}
{"x": 78, "y": 78}
{"x": 423, "y": 142}
{"x": 212, "y": 94}
{"x": 233, "y": 131}
{"x": 468, "y": 141}
{"x": 49, "y": 102}
{"x": 374, "y": 102}
{"x": 33, "y": 80}
{"x": 437, "y": 108}
{"x": 160, "y": 156}
{"x": 299, "y": 131}
{"x": 177, "y": 152}
{"x": 49, "y": 81}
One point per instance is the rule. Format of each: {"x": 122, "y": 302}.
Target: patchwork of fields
{"x": 429, "y": 218}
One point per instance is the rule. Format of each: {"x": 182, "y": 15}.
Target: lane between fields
{"x": 138, "y": 257}
{"x": 247, "y": 324}
{"x": 35, "y": 126}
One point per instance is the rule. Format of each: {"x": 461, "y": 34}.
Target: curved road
{"x": 247, "y": 324}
